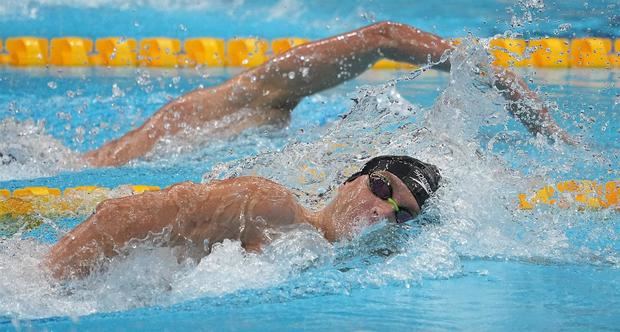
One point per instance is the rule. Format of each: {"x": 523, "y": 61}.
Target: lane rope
{"x": 82, "y": 200}
{"x": 588, "y": 52}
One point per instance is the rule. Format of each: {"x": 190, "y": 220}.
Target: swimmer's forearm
{"x": 323, "y": 64}
{"x": 526, "y": 105}
{"x": 187, "y": 111}
{"x": 120, "y": 151}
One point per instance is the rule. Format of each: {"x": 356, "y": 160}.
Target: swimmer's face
{"x": 355, "y": 206}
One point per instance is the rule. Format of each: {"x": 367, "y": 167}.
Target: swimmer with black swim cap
{"x": 247, "y": 209}
{"x": 421, "y": 179}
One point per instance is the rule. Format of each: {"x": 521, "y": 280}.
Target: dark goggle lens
{"x": 403, "y": 215}
{"x": 380, "y": 187}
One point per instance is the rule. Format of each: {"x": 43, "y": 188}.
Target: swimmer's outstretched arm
{"x": 283, "y": 81}
{"x": 278, "y": 84}
{"x": 313, "y": 67}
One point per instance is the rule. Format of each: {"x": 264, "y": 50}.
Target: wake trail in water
{"x": 29, "y": 152}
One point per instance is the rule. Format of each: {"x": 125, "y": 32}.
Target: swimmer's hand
{"x": 555, "y": 132}
{"x": 538, "y": 121}
{"x": 527, "y": 107}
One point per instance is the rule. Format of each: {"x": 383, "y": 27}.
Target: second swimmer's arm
{"x": 316, "y": 66}
{"x": 283, "y": 81}
{"x": 278, "y": 84}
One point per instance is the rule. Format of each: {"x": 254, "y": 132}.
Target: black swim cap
{"x": 421, "y": 179}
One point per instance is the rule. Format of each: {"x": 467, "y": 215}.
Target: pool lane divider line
{"x": 580, "y": 194}
{"x": 51, "y": 202}
{"x": 165, "y": 52}
{"x": 82, "y": 200}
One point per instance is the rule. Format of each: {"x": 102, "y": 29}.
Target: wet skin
{"x": 244, "y": 209}
{"x": 272, "y": 93}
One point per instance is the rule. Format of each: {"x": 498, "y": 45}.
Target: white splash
{"x": 29, "y": 152}
{"x": 150, "y": 275}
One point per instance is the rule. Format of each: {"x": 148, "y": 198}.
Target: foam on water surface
{"x": 28, "y": 151}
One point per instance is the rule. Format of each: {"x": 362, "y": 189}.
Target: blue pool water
{"x": 486, "y": 265}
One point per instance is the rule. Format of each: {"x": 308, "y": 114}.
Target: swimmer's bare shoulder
{"x": 238, "y": 209}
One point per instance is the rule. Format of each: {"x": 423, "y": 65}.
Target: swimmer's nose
{"x": 381, "y": 212}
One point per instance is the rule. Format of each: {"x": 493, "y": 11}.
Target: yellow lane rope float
{"x": 580, "y": 194}
{"x": 51, "y": 202}
{"x": 76, "y": 201}
{"x": 250, "y": 52}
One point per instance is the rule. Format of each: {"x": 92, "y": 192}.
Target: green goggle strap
{"x": 394, "y": 204}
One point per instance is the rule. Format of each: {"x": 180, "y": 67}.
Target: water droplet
{"x": 116, "y": 91}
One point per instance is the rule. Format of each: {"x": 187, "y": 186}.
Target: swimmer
{"x": 392, "y": 188}
{"x": 273, "y": 91}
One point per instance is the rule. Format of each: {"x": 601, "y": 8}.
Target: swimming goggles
{"x": 381, "y": 187}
